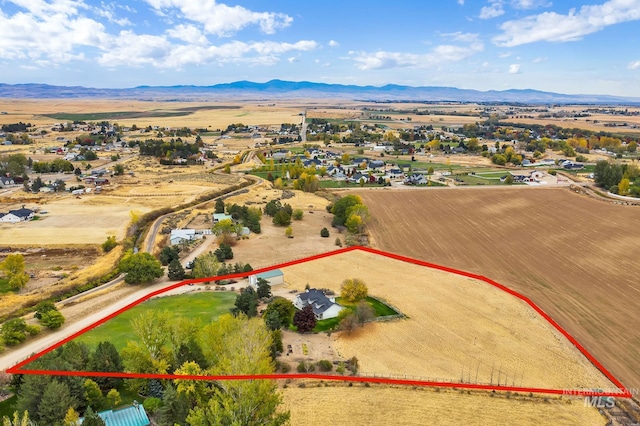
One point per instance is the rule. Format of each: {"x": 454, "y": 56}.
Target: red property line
{"x": 623, "y": 392}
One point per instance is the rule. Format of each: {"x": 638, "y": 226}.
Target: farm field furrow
{"x": 404, "y": 406}
{"x": 457, "y": 329}
{"x": 572, "y": 256}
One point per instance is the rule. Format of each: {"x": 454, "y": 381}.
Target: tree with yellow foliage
{"x": 353, "y": 289}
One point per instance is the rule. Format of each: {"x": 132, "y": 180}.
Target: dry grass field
{"x": 214, "y": 115}
{"x": 574, "y": 257}
{"x": 458, "y": 329}
{"x": 377, "y": 406}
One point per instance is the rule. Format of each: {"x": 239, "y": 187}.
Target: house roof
{"x": 317, "y": 299}
{"x": 270, "y": 274}
{"x": 22, "y": 212}
{"x": 182, "y": 232}
{"x": 134, "y": 415}
{"x": 221, "y": 216}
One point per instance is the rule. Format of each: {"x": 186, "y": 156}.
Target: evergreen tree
{"x": 92, "y": 419}
{"x": 176, "y": 271}
{"x": 56, "y": 400}
{"x": 106, "y": 359}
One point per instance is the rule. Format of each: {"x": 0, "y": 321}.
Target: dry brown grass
{"x": 573, "y": 256}
{"x": 342, "y": 405}
{"x": 458, "y": 329}
{"x": 94, "y": 270}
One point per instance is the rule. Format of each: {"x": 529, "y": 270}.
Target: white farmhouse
{"x": 323, "y": 307}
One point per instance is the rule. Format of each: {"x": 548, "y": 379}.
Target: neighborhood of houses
{"x": 360, "y": 170}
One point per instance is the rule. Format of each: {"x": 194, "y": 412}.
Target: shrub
{"x": 324, "y": 365}
{"x": 324, "y": 233}
{"x": 52, "y": 319}
{"x": 338, "y": 242}
{"x": 109, "y": 244}
{"x": 152, "y": 404}
{"x": 297, "y": 214}
{"x": 305, "y": 367}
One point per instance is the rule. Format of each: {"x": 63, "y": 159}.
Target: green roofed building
{"x": 134, "y": 415}
{"x": 273, "y": 277}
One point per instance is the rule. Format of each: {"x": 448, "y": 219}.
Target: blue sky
{"x": 589, "y": 47}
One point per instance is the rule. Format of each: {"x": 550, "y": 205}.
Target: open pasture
{"x": 378, "y": 405}
{"x": 573, "y": 256}
{"x": 458, "y": 329}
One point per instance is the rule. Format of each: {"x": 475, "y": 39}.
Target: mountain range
{"x": 280, "y": 89}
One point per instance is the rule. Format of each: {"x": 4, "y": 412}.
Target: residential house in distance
{"x": 6, "y": 181}
{"x": 323, "y": 307}
{"x": 15, "y": 216}
{"x": 217, "y": 217}
{"x": 179, "y": 236}
{"x": 273, "y": 277}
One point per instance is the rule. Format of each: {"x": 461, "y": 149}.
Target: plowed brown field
{"x": 357, "y": 405}
{"x": 457, "y": 329}
{"x": 574, "y": 257}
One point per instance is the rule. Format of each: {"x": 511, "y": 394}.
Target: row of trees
{"x": 165, "y": 344}
{"x": 349, "y": 211}
{"x": 619, "y": 179}
{"x": 174, "y": 148}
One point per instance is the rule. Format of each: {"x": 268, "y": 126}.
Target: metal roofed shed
{"x": 134, "y": 415}
{"x": 273, "y": 277}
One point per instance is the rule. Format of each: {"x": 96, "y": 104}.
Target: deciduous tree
{"x": 52, "y": 319}
{"x": 141, "y": 268}
{"x": 353, "y": 289}
{"x": 305, "y": 319}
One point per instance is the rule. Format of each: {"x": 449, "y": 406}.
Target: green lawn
{"x": 203, "y": 306}
{"x": 7, "y": 407}
{"x": 380, "y": 309}
{"x": 4, "y": 286}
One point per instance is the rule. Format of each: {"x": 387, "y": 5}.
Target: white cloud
{"x": 514, "y": 69}
{"x": 45, "y": 34}
{"x": 333, "y": 43}
{"x": 634, "y": 65}
{"x": 494, "y": 10}
{"x": 504, "y": 55}
{"x": 220, "y": 19}
{"x": 552, "y": 26}
{"x": 444, "y": 53}
{"x": 530, "y": 4}
{"x": 540, "y": 59}
{"x": 48, "y": 31}
{"x": 108, "y": 11}
{"x": 460, "y": 36}
{"x": 189, "y": 34}
{"x": 138, "y": 50}
{"x": 461, "y": 2}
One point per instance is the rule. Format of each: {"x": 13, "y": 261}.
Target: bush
{"x": 305, "y": 367}
{"x": 52, "y": 319}
{"x": 109, "y": 244}
{"x": 324, "y": 233}
{"x": 297, "y": 214}
{"x": 341, "y": 368}
{"x": 324, "y": 365}
{"x": 338, "y": 242}
{"x": 152, "y": 404}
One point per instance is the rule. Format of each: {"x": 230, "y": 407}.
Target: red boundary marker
{"x": 622, "y": 391}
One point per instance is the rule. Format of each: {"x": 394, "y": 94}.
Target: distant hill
{"x": 279, "y": 89}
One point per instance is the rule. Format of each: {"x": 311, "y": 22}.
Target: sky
{"x": 564, "y": 46}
